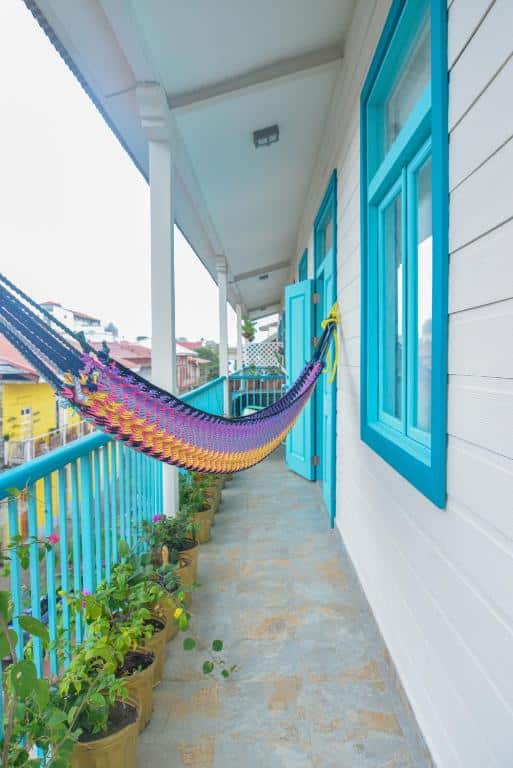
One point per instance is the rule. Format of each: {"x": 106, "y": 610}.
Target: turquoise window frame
{"x": 302, "y": 271}
{"x": 419, "y": 456}
{"x": 327, "y": 211}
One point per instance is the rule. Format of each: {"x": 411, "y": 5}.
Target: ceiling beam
{"x": 256, "y": 77}
{"x": 262, "y": 311}
{"x": 261, "y": 271}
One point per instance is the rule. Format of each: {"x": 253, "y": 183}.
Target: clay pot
{"x": 112, "y": 751}
{"x": 140, "y": 688}
{"x": 157, "y": 645}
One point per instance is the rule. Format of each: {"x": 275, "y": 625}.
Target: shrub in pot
{"x": 96, "y": 697}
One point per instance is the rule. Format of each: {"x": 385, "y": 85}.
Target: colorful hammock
{"x": 120, "y": 402}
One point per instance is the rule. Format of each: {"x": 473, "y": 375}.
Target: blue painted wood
{"x": 122, "y": 492}
{"x": 64, "y": 553}
{"x": 298, "y": 350}
{"x": 15, "y": 569}
{"x": 325, "y": 398}
{"x": 87, "y": 525}
{"x": 97, "y": 517}
{"x": 113, "y": 483}
{"x": 26, "y": 474}
{"x": 51, "y": 583}
{"x": 302, "y": 272}
{"x": 34, "y": 570}
{"x": 106, "y": 513}
{"x": 422, "y": 462}
{"x": 77, "y": 551}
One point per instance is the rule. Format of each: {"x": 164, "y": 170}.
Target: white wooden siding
{"x": 439, "y": 582}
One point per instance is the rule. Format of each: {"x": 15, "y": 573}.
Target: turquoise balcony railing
{"x": 209, "y": 397}
{"x": 90, "y": 494}
{"x": 252, "y": 389}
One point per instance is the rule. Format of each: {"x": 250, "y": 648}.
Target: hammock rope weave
{"x": 130, "y": 408}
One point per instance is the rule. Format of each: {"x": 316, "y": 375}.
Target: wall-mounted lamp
{"x": 264, "y": 137}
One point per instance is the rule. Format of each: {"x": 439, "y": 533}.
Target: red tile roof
{"x": 10, "y": 356}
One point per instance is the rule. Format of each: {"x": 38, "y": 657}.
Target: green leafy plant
{"x": 248, "y": 328}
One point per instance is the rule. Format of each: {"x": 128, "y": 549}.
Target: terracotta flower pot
{"x": 203, "y": 520}
{"x": 140, "y": 686}
{"x": 157, "y": 645}
{"x": 111, "y": 751}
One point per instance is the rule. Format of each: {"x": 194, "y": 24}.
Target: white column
{"x": 223, "y": 328}
{"x": 163, "y": 354}
{"x": 239, "y": 337}
{"x": 154, "y": 113}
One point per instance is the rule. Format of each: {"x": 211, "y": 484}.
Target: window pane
{"x": 392, "y": 310}
{"x": 328, "y": 235}
{"x": 424, "y": 255}
{"x": 414, "y": 75}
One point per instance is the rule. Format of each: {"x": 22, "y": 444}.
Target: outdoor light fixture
{"x": 263, "y": 277}
{"x": 264, "y": 137}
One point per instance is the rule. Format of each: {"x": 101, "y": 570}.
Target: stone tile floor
{"x": 312, "y": 689}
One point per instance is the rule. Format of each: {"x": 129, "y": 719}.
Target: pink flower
{"x": 53, "y": 538}
{"x": 86, "y": 593}
{"x": 157, "y": 518}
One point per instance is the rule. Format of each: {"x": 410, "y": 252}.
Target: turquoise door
{"x": 325, "y": 259}
{"x": 299, "y": 330}
{"x": 326, "y": 403}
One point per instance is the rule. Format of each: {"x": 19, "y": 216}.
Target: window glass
{"x": 414, "y": 76}
{"x": 392, "y": 310}
{"x": 328, "y": 235}
{"x": 424, "y": 270}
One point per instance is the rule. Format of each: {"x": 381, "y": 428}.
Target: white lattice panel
{"x": 266, "y": 354}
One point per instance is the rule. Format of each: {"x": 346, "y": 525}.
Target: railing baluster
{"x": 131, "y": 494}
{"x": 137, "y": 525}
{"x": 15, "y": 568}
{"x": 106, "y": 512}
{"x": 86, "y": 519}
{"x": 64, "y": 553}
{"x": 75, "y": 538}
{"x": 51, "y": 585}
{"x": 114, "y": 499}
{"x": 122, "y": 494}
{"x": 98, "y": 555}
{"x": 35, "y": 578}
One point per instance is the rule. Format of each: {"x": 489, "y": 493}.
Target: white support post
{"x": 239, "y": 337}
{"x": 223, "y": 328}
{"x": 154, "y": 114}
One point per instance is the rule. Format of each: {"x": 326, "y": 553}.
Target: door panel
{"x": 328, "y": 291}
{"x": 298, "y": 350}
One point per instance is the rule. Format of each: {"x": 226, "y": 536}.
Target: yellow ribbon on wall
{"x": 333, "y": 319}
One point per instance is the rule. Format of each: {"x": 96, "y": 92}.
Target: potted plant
{"x": 122, "y": 634}
{"x": 126, "y": 601}
{"x": 176, "y": 534}
{"x": 248, "y": 328}
{"x": 196, "y": 508}
{"x": 174, "y": 596}
{"x": 95, "y": 697}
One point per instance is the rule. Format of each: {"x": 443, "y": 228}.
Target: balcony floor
{"x": 312, "y": 688}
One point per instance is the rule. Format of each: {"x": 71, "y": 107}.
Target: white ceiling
{"x": 227, "y": 68}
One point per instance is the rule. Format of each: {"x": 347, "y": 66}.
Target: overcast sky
{"x": 74, "y": 210}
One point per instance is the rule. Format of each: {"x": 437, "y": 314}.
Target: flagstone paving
{"x": 312, "y": 689}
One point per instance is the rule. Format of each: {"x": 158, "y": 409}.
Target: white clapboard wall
{"x": 440, "y": 582}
